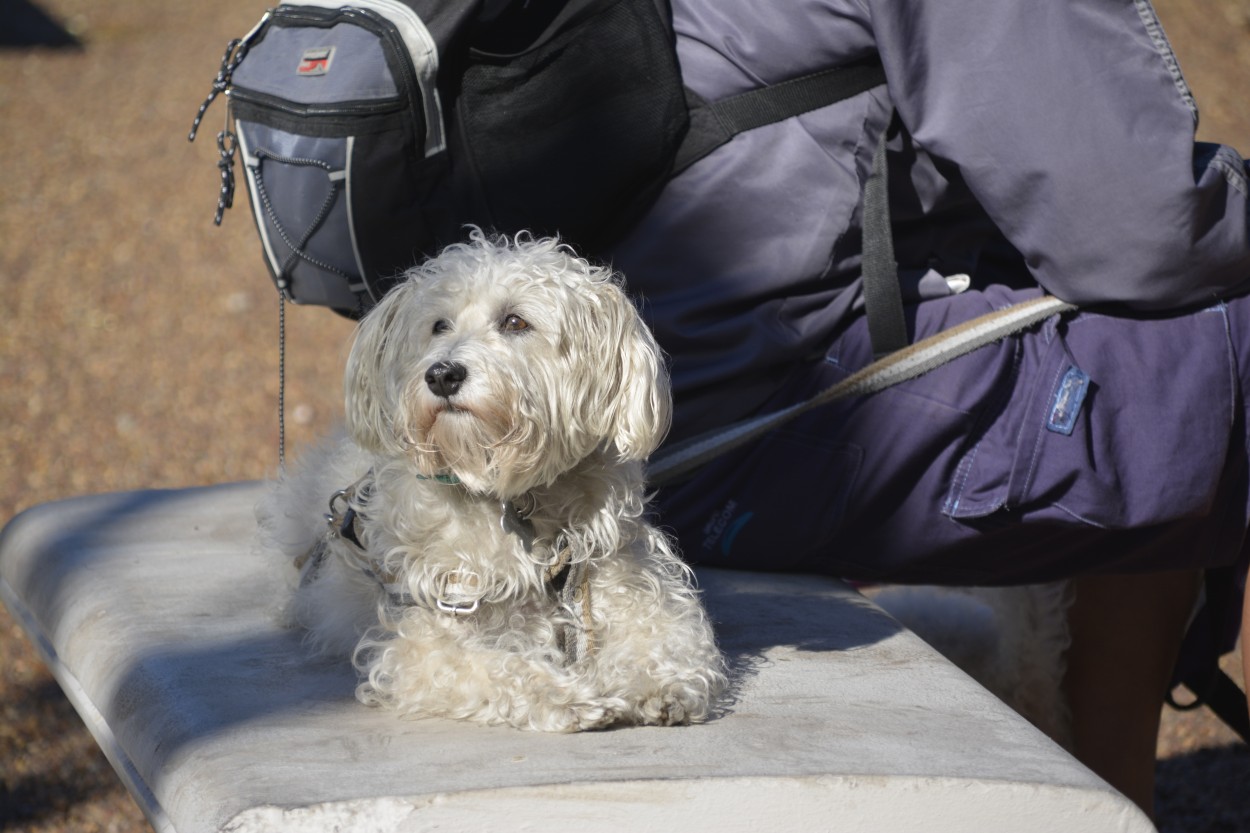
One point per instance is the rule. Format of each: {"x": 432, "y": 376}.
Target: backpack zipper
{"x": 345, "y": 108}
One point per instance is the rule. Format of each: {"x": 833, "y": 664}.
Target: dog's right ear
{"x": 373, "y": 400}
{"x": 633, "y": 406}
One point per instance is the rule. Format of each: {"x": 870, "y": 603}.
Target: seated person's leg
{"x": 1126, "y": 632}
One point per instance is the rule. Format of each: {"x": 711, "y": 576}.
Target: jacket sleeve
{"x": 1072, "y": 126}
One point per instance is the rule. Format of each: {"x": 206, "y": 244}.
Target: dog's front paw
{"x": 599, "y": 713}
{"x": 661, "y": 712}
{"x": 673, "y": 707}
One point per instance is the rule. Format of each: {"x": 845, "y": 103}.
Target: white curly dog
{"x": 486, "y": 555}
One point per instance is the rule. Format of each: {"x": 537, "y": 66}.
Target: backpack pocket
{"x": 341, "y": 136}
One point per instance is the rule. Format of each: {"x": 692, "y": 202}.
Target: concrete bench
{"x": 155, "y": 614}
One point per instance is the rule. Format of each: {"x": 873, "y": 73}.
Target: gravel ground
{"x": 139, "y": 349}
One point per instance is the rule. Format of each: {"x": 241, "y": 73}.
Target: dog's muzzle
{"x": 445, "y": 378}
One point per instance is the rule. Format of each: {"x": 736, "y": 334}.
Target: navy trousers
{"x": 1096, "y": 442}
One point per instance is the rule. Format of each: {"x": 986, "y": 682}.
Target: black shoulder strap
{"x": 712, "y": 124}
{"x": 883, "y": 296}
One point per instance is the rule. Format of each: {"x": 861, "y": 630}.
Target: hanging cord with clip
{"x": 227, "y": 146}
{"x": 281, "y": 380}
{"x": 227, "y": 142}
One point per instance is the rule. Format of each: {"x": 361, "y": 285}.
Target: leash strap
{"x": 576, "y": 637}
{"x": 684, "y": 458}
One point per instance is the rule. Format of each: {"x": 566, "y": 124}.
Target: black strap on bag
{"x": 712, "y": 124}
{"x": 883, "y": 295}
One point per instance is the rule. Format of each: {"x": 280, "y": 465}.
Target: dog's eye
{"x": 513, "y": 324}
{"x": 442, "y": 325}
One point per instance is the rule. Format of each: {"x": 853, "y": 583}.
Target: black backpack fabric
{"x": 371, "y": 132}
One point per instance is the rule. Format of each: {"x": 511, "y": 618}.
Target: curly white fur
{"x": 523, "y": 375}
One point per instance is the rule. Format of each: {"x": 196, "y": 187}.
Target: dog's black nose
{"x": 445, "y": 378}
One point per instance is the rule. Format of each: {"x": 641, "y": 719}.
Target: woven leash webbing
{"x": 685, "y": 457}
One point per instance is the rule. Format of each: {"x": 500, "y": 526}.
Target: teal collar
{"x": 448, "y": 479}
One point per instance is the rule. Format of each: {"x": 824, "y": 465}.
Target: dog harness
{"x": 459, "y": 590}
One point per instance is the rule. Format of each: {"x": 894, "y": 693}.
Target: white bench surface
{"x": 157, "y": 616}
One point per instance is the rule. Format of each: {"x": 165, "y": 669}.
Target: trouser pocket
{"x": 1112, "y": 422}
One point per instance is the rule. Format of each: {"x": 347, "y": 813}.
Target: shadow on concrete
{"x": 755, "y": 612}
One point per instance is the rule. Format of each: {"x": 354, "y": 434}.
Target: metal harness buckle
{"x": 460, "y": 584}
{"x": 458, "y": 609}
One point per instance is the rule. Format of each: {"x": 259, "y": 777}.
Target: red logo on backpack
{"x": 315, "y": 61}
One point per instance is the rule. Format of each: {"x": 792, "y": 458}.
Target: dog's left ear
{"x": 635, "y": 405}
